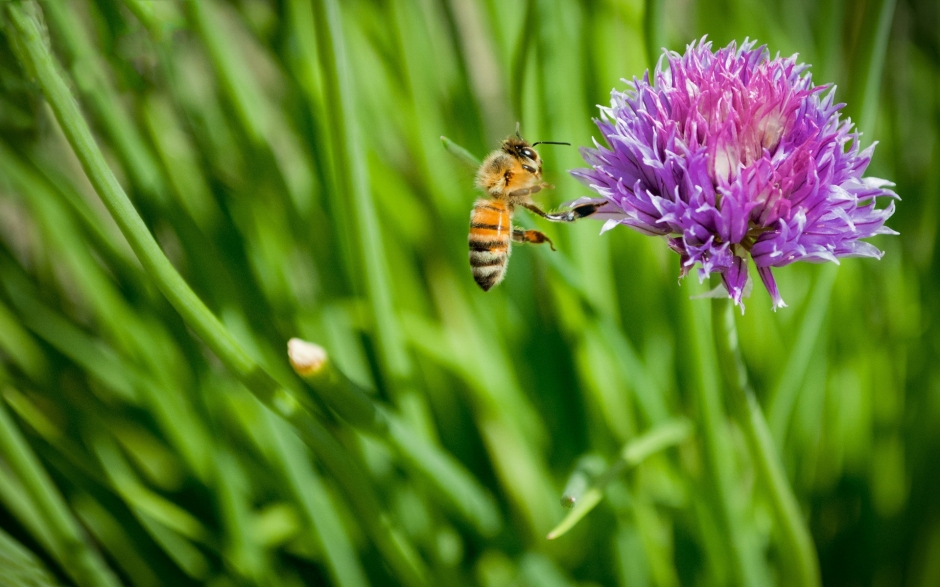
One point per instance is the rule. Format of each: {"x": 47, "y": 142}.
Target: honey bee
{"x": 509, "y": 176}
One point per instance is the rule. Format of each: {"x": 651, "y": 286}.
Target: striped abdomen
{"x": 490, "y": 232}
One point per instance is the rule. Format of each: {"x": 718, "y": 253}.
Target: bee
{"x": 509, "y": 176}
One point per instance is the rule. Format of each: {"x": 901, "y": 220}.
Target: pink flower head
{"x": 731, "y": 154}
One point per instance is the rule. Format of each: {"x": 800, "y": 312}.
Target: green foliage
{"x": 184, "y": 186}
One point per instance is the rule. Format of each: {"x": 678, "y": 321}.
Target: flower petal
{"x": 768, "y": 278}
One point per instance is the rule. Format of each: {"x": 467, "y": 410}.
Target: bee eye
{"x": 528, "y": 153}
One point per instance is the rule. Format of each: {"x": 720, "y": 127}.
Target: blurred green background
{"x": 287, "y": 157}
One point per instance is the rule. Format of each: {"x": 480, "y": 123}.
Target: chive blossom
{"x": 734, "y": 154}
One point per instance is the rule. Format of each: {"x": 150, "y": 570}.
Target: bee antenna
{"x": 550, "y": 143}
{"x": 517, "y": 130}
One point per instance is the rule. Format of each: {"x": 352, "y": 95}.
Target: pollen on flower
{"x": 733, "y": 154}
{"x": 725, "y": 163}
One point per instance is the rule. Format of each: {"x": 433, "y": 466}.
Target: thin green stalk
{"x": 352, "y": 176}
{"x": 114, "y": 538}
{"x": 315, "y": 500}
{"x": 94, "y": 82}
{"x": 38, "y": 60}
{"x": 785, "y": 394}
{"x": 70, "y": 547}
{"x": 420, "y": 109}
{"x": 250, "y": 106}
{"x": 796, "y": 543}
{"x": 397, "y": 551}
{"x": 20, "y": 349}
{"x": 14, "y": 498}
{"x": 654, "y": 35}
{"x": 242, "y": 553}
{"x": 632, "y": 454}
{"x": 874, "y": 68}
{"x": 648, "y": 391}
{"x": 33, "y": 181}
{"x": 521, "y": 57}
{"x": 719, "y": 451}
{"x": 156, "y": 16}
{"x": 144, "y": 12}
{"x": 36, "y": 57}
{"x": 19, "y": 566}
{"x": 484, "y": 69}
{"x": 262, "y": 121}
{"x": 454, "y": 483}
{"x": 180, "y": 161}
{"x": 561, "y": 46}
{"x": 461, "y": 153}
{"x": 511, "y": 428}
{"x": 447, "y": 476}
{"x": 115, "y": 369}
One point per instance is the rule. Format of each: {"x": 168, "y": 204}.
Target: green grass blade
{"x": 450, "y": 479}
{"x": 632, "y": 454}
{"x": 875, "y": 54}
{"x": 94, "y": 82}
{"x": 353, "y": 181}
{"x": 654, "y": 35}
{"x": 20, "y": 567}
{"x": 36, "y": 57}
{"x": 70, "y": 546}
{"x": 316, "y": 502}
{"x": 785, "y": 394}
{"x": 460, "y": 153}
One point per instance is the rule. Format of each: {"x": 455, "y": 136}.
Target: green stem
{"x": 446, "y": 475}
{"x": 37, "y": 59}
{"x": 352, "y": 177}
{"x": 874, "y": 68}
{"x": 719, "y": 451}
{"x": 253, "y": 113}
{"x": 93, "y": 81}
{"x": 632, "y": 454}
{"x": 396, "y": 550}
{"x": 311, "y": 493}
{"x": 786, "y": 393}
{"x": 79, "y": 560}
{"x": 461, "y": 153}
{"x": 796, "y": 543}
{"x": 654, "y": 36}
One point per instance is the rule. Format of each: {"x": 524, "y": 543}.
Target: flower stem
{"x": 796, "y": 543}
{"x": 716, "y": 437}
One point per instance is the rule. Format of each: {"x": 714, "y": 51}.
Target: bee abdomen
{"x": 488, "y": 268}
{"x": 490, "y": 230}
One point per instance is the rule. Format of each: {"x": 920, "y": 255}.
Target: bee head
{"x": 518, "y": 148}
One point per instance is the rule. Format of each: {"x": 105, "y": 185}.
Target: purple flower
{"x": 731, "y": 154}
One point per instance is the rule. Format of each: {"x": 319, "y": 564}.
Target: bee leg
{"x": 531, "y": 236}
{"x": 571, "y": 215}
{"x": 522, "y": 192}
